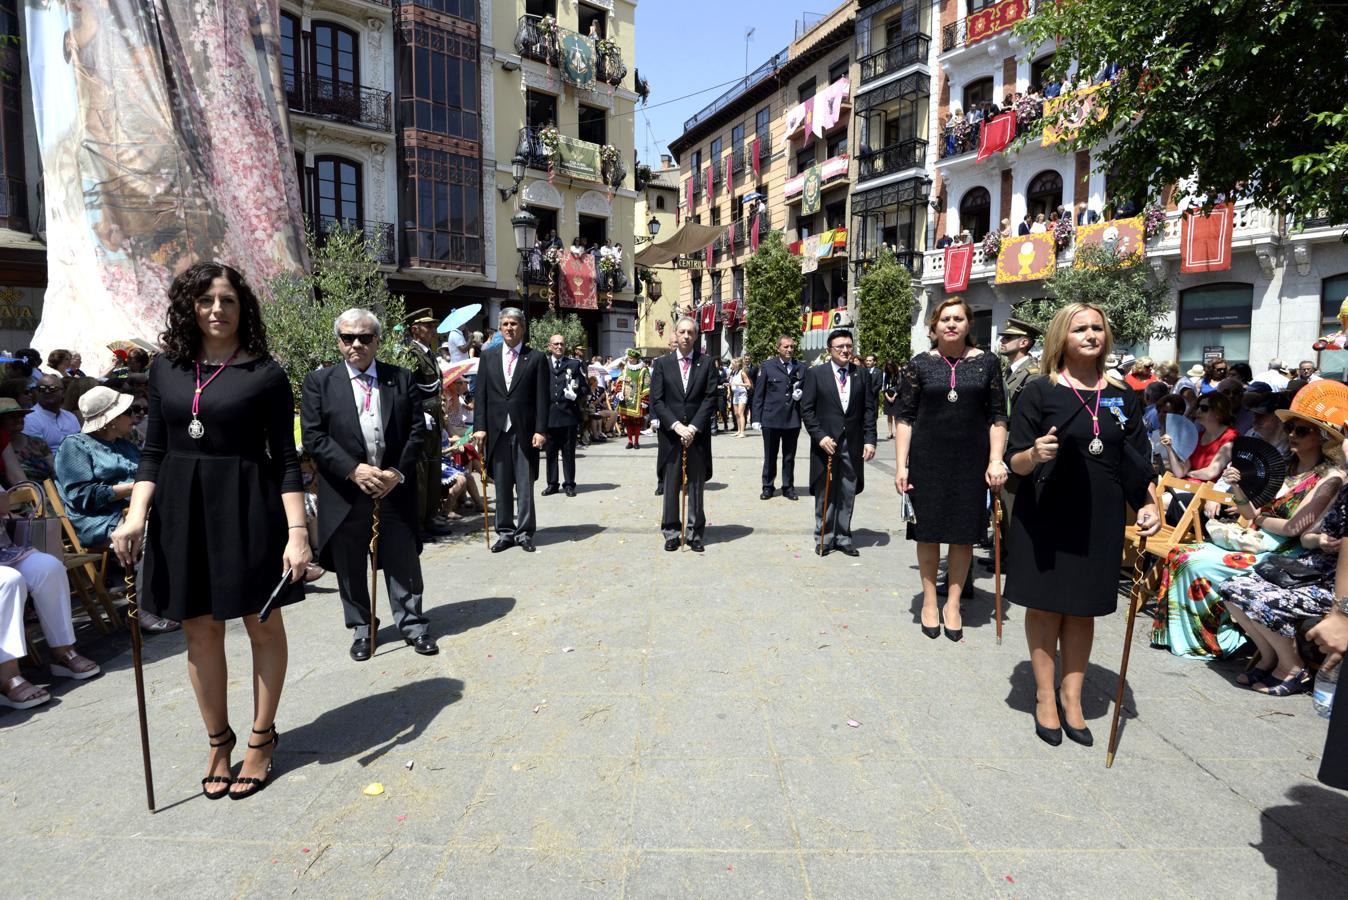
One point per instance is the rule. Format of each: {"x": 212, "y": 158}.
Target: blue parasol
{"x": 459, "y": 317}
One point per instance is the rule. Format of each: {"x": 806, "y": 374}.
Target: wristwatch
{"x": 1341, "y": 604}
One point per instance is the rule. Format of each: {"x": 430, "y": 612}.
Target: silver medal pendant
{"x": 953, "y": 395}
{"x": 195, "y": 429}
{"x": 1096, "y": 447}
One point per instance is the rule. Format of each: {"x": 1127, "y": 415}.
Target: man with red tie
{"x": 682, "y": 400}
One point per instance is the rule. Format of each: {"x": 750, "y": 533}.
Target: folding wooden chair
{"x": 85, "y": 577}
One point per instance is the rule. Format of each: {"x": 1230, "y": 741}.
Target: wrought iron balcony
{"x": 378, "y": 236}
{"x": 342, "y": 101}
{"x": 14, "y": 204}
{"x": 909, "y": 51}
{"x": 543, "y": 43}
{"x": 537, "y": 157}
{"x": 698, "y": 178}
{"x": 952, "y": 36}
{"x": 738, "y": 157}
{"x": 909, "y": 154}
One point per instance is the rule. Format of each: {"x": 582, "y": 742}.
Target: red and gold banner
{"x": 1078, "y": 109}
{"x": 1126, "y": 237}
{"x": 987, "y": 22}
{"x": 577, "y": 282}
{"x": 1029, "y": 257}
{"x": 706, "y": 317}
{"x": 1205, "y": 241}
{"x": 998, "y": 132}
{"x": 959, "y": 260}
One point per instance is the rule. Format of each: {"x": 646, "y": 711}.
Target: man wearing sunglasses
{"x": 362, "y": 423}
{"x": 48, "y": 420}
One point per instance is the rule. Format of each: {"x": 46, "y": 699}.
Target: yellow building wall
{"x": 649, "y": 340}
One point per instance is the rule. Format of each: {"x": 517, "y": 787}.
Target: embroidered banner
{"x": 577, "y": 53}
{"x": 1029, "y": 257}
{"x": 707, "y": 316}
{"x": 809, "y": 200}
{"x": 1077, "y": 108}
{"x": 1205, "y": 241}
{"x": 994, "y": 19}
{"x": 577, "y": 281}
{"x": 578, "y": 159}
{"x": 959, "y": 261}
{"x": 1125, "y": 237}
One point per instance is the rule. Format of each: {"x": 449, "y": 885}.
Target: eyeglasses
{"x": 140, "y": 410}
{"x": 1219, "y": 371}
{"x": 47, "y": 389}
{"x": 1203, "y": 407}
{"x": 364, "y": 337}
{"x": 1297, "y": 430}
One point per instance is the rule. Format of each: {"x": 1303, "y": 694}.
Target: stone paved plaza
{"x": 609, "y": 720}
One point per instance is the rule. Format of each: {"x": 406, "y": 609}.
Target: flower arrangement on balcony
{"x": 1153, "y": 220}
{"x": 611, "y": 167}
{"x": 552, "y": 257}
{"x": 547, "y": 30}
{"x": 992, "y": 245}
{"x": 962, "y": 131}
{"x": 1063, "y": 232}
{"x": 606, "y": 47}
{"x": 642, "y": 177}
{"x": 1029, "y": 109}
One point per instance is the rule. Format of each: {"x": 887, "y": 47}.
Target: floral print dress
{"x": 1191, "y": 618}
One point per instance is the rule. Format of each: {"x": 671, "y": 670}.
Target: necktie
{"x": 366, "y": 382}
{"x": 510, "y": 363}
{"x": 842, "y": 379}
{"x": 685, "y": 362}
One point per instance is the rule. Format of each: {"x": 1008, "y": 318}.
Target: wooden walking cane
{"x": 374, "y": 577}
{"x": 1127, "y": 649}
{"x": 683, "y": 497}
{"x": 997, "y": 562}
{"x": 133, "y": 622}
{"x": 823, "y": 520}
{"x": 486, "y": 516}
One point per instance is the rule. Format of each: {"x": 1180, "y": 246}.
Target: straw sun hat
{"x": 100, "y": 405}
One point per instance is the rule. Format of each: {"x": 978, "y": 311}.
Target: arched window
{"x": 977, "y": 93}
{"x": 335, "y": 56}
{"x": 338, "y": 191}
{"x": 1044, "y": 195}
{"x": 976, "y": 212}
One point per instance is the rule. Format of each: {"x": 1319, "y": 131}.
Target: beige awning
{"x": 689, "y": 239}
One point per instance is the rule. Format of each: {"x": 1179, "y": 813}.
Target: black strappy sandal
{"x": 219, "y": 779}
{"x": 257, "y": 784}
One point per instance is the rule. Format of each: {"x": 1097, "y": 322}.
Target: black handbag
{"x": 1287, "y": 573}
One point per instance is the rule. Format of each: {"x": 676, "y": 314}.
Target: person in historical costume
{"x": 634, "y": 394}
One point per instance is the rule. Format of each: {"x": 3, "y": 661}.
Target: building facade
{"x": 658, "y": 301}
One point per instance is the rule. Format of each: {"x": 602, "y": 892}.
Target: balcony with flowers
{"x": 581, "y": 59}
{"x": 546, "y": 148}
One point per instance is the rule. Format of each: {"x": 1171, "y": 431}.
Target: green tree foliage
{"x": 885, "y": 311}
{"x": 568, "y": 325}
{"x": 1245, "y": 97}
{"x": 1134, "y": 304}
{"x": 771, "y": 297}
{"x": 344, "y": 274}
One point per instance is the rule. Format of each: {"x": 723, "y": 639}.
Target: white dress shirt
{"x": 844, "y": 393}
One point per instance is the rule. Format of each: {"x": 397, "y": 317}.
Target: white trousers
{"x": 44, "y": 577}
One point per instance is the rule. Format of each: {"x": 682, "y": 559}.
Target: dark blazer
{"x": 670, "y": 404}
{"x": 526, "y": 403}
{"x": 772, "y": 403}
{"x": 561, "y": 411}
{"x": 332, "y": 436}
{"x": 822, "y": 413}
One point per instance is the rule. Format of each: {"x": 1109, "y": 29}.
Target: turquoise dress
{"x": 86, "y": 471}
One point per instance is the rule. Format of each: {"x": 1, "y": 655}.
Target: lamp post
{"x": 525, "y": 225}
{"x": 653, "y": 226}
{"x": 519, "y": 163}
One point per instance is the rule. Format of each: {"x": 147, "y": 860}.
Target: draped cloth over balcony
{"x": 578, "y": 281}
{"x": 164, "y": 142}
{"x": 689, "y": 239}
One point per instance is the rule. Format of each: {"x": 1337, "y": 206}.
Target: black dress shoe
{"x": 570, "y": 492}
{"x": 790, "y": 493}
{"x": 360, "y": 649}
{"x": 695, "y": 544}
{"x": 437, "y": 529}
{"x": 932, "y": 632}
{"x": 1081, "y": 736}
{"x": 423, "y": 645}
{"x": 671, "y": 544}
{"x": 821, "y": 550}
{"x": 550, "y": 490}
{"x": 525, "y": 543}
{"x": 766, "y": 495}
{"x": 660, "y": 491}
{"x": 953, "y": 634}
{"x": 848, "y": 550}
{"x": 502, "y": 543}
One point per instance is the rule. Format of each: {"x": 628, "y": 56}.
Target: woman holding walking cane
{"x": 1078, "y": 441}
{"x": 219, "y": 487}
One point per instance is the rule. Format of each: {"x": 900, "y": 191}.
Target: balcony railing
{"x": 830, "y": 171}
{"x": 378, "y": 236}
{"x": 738, "y": 156}
{"x": 986, "y": 21}
{"x": 910, "y": 154}
{"x": 764, "y": 71}
{"x": 342, "y": 101}
{"x": 14, "y": 204}
{"x": 537, "y": 157}
{"x": 952, "y": 36}
{"x": 909, "y": 259}
{"x": 909, "y": 51}
{"x": 533, "y": 41}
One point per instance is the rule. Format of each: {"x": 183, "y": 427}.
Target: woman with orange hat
{"x": 1191, "y": 618}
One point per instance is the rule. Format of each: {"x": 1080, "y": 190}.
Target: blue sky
{"x": 685, "y": 46}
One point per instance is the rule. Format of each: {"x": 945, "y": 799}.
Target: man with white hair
{"x": 362, "y": 424}
{"x": 1276, "y": 376}
{"x": 682, "y": 399}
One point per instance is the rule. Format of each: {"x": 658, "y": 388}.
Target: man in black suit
{"x": 682, "y": 399}
{"x": 426, "y": 371}
{"x": 837, "y": 405}
{"x": 510, "y": 412}
{"x": 776, "y": 406}
{"x": 362, "y": 424}
{"x": 566, "y": 379}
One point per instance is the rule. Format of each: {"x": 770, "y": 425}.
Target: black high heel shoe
{"x": 1050, "y": 736}
{"x": 933, "y": 632}
{"x": 219, "y": 779}
{"x": 257, "y": 784}
{"x": 954, "y": 634}
{"x": 1081, "y": 736}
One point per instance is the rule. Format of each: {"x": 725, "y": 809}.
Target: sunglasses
{"x": 140, "y": 410}
{"x": 1297, "y": 430}
{"x": 1203, "y": 407}
{"x": 47, "y": 389}
{"x": 365, "y": 338}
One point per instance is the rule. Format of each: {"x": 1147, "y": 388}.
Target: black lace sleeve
{"x": 997, "y": 407}
{"x": 910, "y": 392}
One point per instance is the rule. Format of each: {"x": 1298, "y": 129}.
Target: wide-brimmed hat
{"x": 10, "y": 405}
{"x": 1196, "y": 371}
{"x": 100, "y": 405}
{"x": 1324, "y": 405}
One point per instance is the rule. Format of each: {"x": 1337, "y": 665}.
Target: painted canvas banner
{"x": 1205, "y": 241}
{"x": 814, "y": 182}
{"x": 1030, "y": 257}
{"x": 1077, "y": 108}
{"x": 578, "y": 159}
{"x": 959, "y": 261}
{"x": 577, "y": 59}
{"x": 1125, "y": 237}
{"x": 158, "y": 151}
{"x": 577, "y": 281}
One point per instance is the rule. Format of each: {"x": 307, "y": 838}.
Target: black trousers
{"x": 397, "y": 557}
{"x": 562, "y": 440}
{"x": 785, "y": 438}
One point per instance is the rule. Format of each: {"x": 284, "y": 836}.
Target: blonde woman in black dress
{"x": 220, "y": 488}
{"x": 948, "y": 453}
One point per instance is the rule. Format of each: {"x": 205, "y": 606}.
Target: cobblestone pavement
{"x": 609, "y": 720}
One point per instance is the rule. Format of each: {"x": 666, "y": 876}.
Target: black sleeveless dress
{"x": 217, "y": 527}
{"x": 948, "y": 455}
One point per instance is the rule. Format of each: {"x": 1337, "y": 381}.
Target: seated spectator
{"x": 1191, "y": 618}
{"x": 95, "y": 471}
{"x": 33, "y": 454}
{"x": 11, "y": 417}
{"x": 75, "y": 389}
{"x": 1268, "y": 613}
{"x": 1158, "y": 403}
{"x": 1233, "y": 389}
{"x": 1213, "y": 453}
{"x": 1264, "y": 404}
{"x": 602, "y": 413}
{"x": 58, "y": 363}
{"x": 75, "y": 370}
{"x": 137, "y": 361}
{"x": 49, "y": 421}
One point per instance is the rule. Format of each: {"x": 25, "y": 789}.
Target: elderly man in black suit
{"x": 510, "y": 412}
{"x": 776, "y": 406}
{"x": 362, "y": 424}
{"x": 682, "y": 399}
{"x": 566, "y": 379}
{"x": 837, "y": 405}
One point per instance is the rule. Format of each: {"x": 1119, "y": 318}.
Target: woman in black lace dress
{"x": 948, "y": 454}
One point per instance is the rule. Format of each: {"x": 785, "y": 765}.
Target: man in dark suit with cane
{"x": 362, "y": 423}
{"x": 510, "y": 413}
{"x": 776, "y": 405}
{"x": 837, "y": 406}
{"x": 566, "y": 379}
{"x": 682, "y": 399}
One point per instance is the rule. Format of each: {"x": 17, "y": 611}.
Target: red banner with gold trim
{"x": 993, "y": 20}
{"x": 1029, "y": 257}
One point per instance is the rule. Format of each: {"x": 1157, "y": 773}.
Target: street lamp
{"x": 525, "y": 225}
{"x": 519, "y": 163}
{"x": 653, "y": 226}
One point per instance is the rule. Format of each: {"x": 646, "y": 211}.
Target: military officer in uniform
{"x": 426, "y": 373}
{"x": 776, "y": 406}
{"x": 1017, "y": 340}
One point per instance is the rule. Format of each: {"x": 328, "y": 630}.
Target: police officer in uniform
{"x": 776, "y": 406}
{"x": 426, "y": 373}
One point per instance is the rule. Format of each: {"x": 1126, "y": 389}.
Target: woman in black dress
{"x": 890, "y": 385}
{"x": 220, "y": 487}
{"x": 1080, "y": 446}
{"x": 948, "y": 453}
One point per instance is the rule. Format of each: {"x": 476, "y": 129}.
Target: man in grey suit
{"x": 776, "y": 406}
